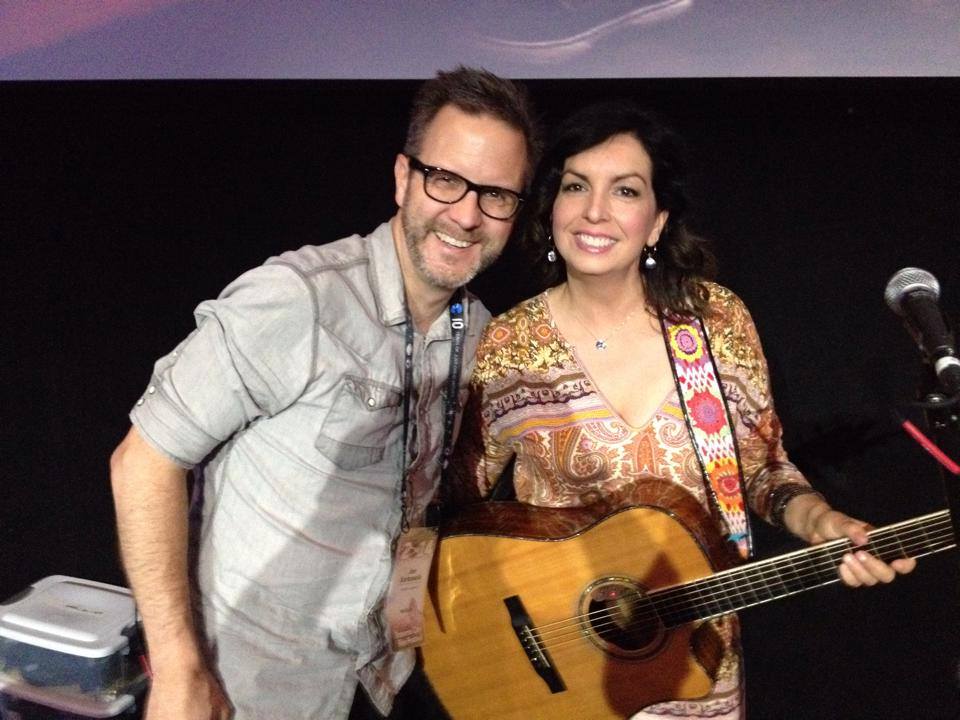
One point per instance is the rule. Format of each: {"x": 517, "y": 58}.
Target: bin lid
{"x": 70, "y": 615}
{"x": 83, "y": 705}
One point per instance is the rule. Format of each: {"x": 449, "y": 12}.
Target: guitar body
{"x": 566, "y": 569}
{"x": 591, "y": 613}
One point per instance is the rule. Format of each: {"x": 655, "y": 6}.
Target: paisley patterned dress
{"x": 531, "y": 398}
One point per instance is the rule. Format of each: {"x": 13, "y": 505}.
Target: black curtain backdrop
{"x": 124, "y": 204}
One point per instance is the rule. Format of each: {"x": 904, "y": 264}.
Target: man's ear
{"x": 401, "y": 171}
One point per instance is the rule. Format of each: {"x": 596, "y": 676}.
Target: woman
{"x": 602, "y": 384}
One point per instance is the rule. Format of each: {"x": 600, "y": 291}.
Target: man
{"x": 293, "y": 390}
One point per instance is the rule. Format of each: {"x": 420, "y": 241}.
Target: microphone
{"x": 913, "y": 293}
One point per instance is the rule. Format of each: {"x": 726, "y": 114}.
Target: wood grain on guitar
{"x": 593, "y": 612}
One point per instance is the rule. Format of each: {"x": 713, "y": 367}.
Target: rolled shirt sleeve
{"x": 251, "y": 356}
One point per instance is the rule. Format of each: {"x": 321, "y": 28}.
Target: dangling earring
{"x": 552, "y": 252}
{"x": 648, "y": 255}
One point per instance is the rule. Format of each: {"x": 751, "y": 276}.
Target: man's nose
{"x": 466, "y": 211}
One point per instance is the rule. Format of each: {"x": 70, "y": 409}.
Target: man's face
{"x": 447, "y": 245}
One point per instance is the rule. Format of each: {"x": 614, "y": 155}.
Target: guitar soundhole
{"x": 617, "y": 616}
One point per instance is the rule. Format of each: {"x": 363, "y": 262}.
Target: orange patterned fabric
{"x": 530, "y": 398}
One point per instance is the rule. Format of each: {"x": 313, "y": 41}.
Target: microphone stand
{"x": 943, "y": 419}
{"x": 942, "y": 413}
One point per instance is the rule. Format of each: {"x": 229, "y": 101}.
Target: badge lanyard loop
{"x": 450, "y": 401}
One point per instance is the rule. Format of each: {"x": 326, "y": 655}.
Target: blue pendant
{"x": 600, "y": 345}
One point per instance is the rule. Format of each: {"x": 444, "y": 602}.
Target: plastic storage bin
{"x": 69, "y": 648}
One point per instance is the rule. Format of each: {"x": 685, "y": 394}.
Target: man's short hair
{"x": 476, "y": 92}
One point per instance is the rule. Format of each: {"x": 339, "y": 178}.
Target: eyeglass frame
{"x": 421, "y": 167}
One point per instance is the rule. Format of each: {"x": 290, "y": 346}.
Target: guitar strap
{"x": 708, "y": 421}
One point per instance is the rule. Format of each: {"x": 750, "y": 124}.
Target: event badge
{"x": 408, "y": 586}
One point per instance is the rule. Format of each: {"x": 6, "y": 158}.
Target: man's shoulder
{"x": 315, "y": 281}
{"x": 339, "y": 255}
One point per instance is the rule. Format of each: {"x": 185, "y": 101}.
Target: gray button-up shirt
{"x": 294, "y": 377}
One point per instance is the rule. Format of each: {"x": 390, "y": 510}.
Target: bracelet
{"x": 782, "y": 496}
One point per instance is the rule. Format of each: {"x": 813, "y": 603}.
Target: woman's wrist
{"x": 803, "y": 513}
{"x": 783, "y": 496}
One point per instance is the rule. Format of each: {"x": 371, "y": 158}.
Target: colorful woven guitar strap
{"x": 708, "y": 422}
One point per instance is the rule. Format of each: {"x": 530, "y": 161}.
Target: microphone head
{"x": 907, "y": 281}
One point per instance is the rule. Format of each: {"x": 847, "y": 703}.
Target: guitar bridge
{"x": 533, "y": 648}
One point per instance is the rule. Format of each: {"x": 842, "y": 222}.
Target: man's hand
{"x": 187, "y": 694}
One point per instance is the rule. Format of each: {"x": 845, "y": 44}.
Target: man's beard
{"x": 416, "y": 235}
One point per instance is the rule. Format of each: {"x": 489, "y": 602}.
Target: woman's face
{"x": 605, "y": 211}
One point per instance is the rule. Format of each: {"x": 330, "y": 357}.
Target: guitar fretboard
{"x": 795, "y": 572}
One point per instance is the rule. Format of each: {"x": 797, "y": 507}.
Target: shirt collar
{"x": 386, "y": 279}
{"x": 387, "y": 282}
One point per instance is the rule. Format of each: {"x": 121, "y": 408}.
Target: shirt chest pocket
{"x": 355, "y": 431}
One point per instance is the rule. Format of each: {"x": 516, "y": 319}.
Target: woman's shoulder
{"x": 532, "y": 308}
{"x": 733, "y": 336}
{"x": 522, "y": 338}
{"x": 511, "y": 326}
{"x": 726, "y": 311}
{"x": 723, "y": 304}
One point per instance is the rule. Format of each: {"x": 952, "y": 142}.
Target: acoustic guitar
{"x": 572, "y": 614}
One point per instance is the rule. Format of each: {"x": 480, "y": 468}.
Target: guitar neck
{"x": 795, "y": 572}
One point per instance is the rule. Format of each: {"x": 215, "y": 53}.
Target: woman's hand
{"x": 810, "y": 518}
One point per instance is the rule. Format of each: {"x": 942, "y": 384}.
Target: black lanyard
{"x": 451, "y": 400}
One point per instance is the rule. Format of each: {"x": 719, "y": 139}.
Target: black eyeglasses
{"x": 449, "y": 188}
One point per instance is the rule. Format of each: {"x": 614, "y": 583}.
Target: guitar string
{"x": 824, "y": 577}
{"x": 577, "y": 626}
{"x": 820, "y": 562}
{"x": 575, "y": 631}
{"x": 762, "y": 569}
{"x": 659, "y": 606}
{"x": 825, "y": 572}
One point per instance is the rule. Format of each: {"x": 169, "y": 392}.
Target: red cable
{"x": 928, "y": 445}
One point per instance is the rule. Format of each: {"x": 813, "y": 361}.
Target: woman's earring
{"x": 649, "y": 257}
{"x": 552, "y": 252}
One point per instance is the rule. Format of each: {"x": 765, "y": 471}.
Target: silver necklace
{"x": 601, "y": 342}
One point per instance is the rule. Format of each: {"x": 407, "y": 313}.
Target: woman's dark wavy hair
{"x": 684, "y": 262}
